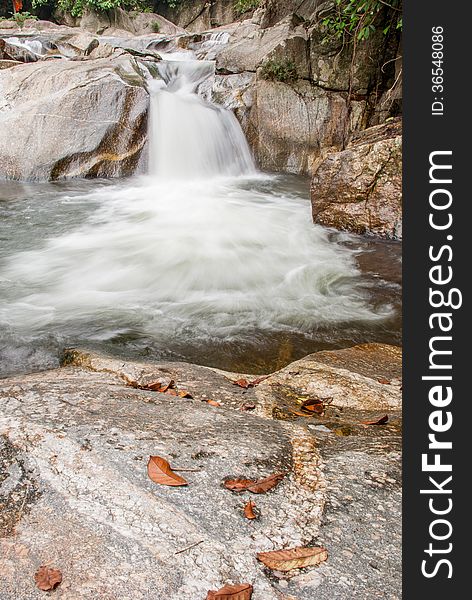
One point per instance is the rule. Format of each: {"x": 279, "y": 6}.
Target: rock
{"x": 83, "y": 43}
{"x": 94, "y": 22}
{"x": 75, "y": 447}
{"x": 7, "y": 25}
{"x": 365, "y": 377}
{"x": 12, "y": 48}
{"x": 103, "y": 50}
{"x": 74, "y": 443}
{"x": 62, "y": 119}
{"x": 290, "y": 124}
{"x": 194, "y": 16}
{"x": 272, "y": 11}
{"x": 360, "y": 188}
{"x": 249, "y": 46}
{"x": 146, "y": 23}
{"x": 309, "y": 95}
{"x": 7, "y": 64}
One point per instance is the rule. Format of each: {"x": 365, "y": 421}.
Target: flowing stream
{"x": 204, "y": 259}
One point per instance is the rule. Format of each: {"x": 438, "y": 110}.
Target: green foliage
{"x": 242, "y": 6}
{"x": 279, "y": 70}
{"x": 76, "y": 7}
{"x": 155, "y": 26}
{"x": 358, "y": 19}
{"x": 20, "y": 18}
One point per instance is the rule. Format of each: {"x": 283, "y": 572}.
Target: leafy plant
{"x": 358, "y": 19}
{"x": 279, "y": 70}
{"x": 243, "y": 6}
{"x": 155, "y": 26}
{"x": 21, "y": 17}
{"x": 76, "y": 7}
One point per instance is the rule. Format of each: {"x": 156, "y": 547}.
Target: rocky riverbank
{"x": 75, "y": 493}
{"x": 306, "y": 102}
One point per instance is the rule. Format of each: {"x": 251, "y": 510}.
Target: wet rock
{"x": 11, "y": 48}
{"x": 62, "y": 119}
{"x": 359, "y": 188}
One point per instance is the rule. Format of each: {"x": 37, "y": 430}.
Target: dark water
{"x": 230, "y": 274}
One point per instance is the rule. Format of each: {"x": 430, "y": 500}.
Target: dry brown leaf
{"x": 249, "y": 510}
{"x": 47, "y": 579}
{"x": 256, "y": 487}
{"x": 213, "y": 403}
{"x": 314, "y": 405}
{"x": 160, "y": 472}
{"x": 184, "y": 394}
{"x": 238, "y": 485}
{"x": 300, "y": 414}
{"x": 294, "y": 558}
{"x": 264, "y": 485}
{"x": 244, "y": 383}
{"x": 159, "y": 385}
{"x": 232, "y": 592}
{"x": 384, "y": 381}
{"x": 380, "y": 421}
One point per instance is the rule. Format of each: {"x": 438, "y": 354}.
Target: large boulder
{"x": 360, "y": 188}
{"x": 74, "y": 491}
{"x": 126, "y": 23}
{"x": 62, "y": 119}
{"x": 310, "y": 91}
{"x": 291, "y": 123}
{"x": 74, "y": 444}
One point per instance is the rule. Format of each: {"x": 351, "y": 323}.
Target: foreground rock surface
{"x": 360, "y": 188}
{"x": 75, "y": 493}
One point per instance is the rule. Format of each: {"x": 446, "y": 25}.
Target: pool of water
{"x": 228, "y": 272}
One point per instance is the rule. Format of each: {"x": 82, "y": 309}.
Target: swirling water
{"x": 204, "y": 259}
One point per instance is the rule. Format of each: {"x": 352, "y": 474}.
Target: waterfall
{"x": 202, "y": 260}
{"x": 189, "y": 137}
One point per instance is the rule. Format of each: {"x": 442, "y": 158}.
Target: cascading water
{"x": 201, "y": 258}
{"x": 190, "y": 138}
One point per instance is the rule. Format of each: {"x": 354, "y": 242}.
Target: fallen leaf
{"x": 264, "y": 485}
{"x": 314, "y": 405}
{"x": 294, "y": 558}
{"x": 184, "y": 394}
{"x": 384, "y": 381}
{"x": 159, "y": 385}
{"x": 247, "y": 406}
{"x": 232, "y": 592}
{"x": 249, "y": 510}
{"x": 380, "y": 421}
{"x": 160, "y": 472}
{"x": 47, "y": 579}
{"x": 238, "y": 485}
{"x": 213, "y": 403}
{"x": 244, "y": 383}
{"x": 256, "y": 487}
{"x": 300, "y": 414}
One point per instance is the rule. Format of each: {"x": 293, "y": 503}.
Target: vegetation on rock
{"x": 243, "y": 6}
{"x": 358, "y": 19}
{"x": 279, "y": 70}
{"x": 77, "y": 7}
